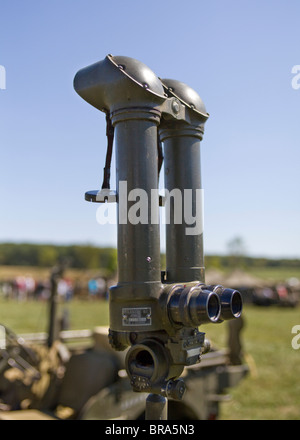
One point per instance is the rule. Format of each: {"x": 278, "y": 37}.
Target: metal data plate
{"x": 136, "y": 316}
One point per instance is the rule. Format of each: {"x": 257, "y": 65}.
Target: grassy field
{"x": 32, "y": 316}
{"x": 271, "y": 390}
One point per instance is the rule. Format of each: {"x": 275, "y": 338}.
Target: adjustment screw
{"x": 175, "y": 107}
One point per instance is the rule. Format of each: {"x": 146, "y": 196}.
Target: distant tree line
{"x": 92, "y": 257}
{"x": 47, "y": 255}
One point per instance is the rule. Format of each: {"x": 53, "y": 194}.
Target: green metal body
{"x": 159, "y": 321}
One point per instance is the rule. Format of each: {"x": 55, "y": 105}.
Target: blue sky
{"x": 238, "y": 55}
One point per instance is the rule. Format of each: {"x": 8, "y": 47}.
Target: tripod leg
{"x": 156, "y": 407}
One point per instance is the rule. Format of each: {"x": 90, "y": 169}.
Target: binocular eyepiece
{"x": 230, "y": 300}
{"x": 200, "y": 304}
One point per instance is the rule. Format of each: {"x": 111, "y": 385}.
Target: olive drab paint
{"x": 155, "y": 313}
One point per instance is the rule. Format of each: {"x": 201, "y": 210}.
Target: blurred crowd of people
{"x": 98, "y": 288}
{"x": 283, "y": 294}
{"x": 24, "y": 288}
